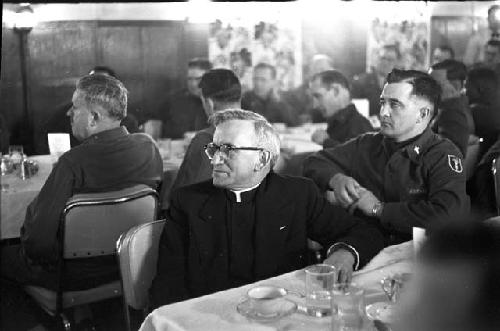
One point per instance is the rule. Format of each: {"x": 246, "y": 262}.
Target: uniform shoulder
{"x": 442, "y": 145}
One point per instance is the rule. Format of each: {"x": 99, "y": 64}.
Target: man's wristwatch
{"x": 377, "y": 209}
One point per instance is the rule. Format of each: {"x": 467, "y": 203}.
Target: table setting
{"x": 22, "y": 179}
{"x": 306, "y": 299}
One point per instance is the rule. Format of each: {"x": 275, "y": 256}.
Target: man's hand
{"x": 319, "y": 136}
{"x": 345, "y": 188}
{"x": 343, "y": 261}
{"x": 367, "y": 200}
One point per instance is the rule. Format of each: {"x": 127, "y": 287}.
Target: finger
{"x": 341, "y": 275}
{"x": 345, "y": 199}
{"x": 352, "y": 190}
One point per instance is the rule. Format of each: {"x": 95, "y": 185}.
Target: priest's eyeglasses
{"x": 225, "y": 149}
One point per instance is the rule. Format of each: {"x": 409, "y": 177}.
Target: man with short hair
{"x": 59, "y": 122}
{"x": 403, "y": 176}
{"x": 220, "y": 89}
{"x": 300, "y": 98}
{"x": 249, "y": 223}
{"x": 108, "y": 158}
{"x": 492, "y": 54}
{"x": 264, "y": 98}
{"x": 183, "y": 110}
{"x": 332, "y": 95}
{"x": 369, "y": 85}
{"x": 454, "y": 119}
{"x": 441, "y": 53}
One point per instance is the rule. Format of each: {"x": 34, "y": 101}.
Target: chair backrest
{"x": 93, "y": 222}
{"x": 495, "y": 169}
{"x": 138, "y": 255}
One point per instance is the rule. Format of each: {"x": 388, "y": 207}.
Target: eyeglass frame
{"x": 229, "y": 148}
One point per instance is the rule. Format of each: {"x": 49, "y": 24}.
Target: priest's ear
{"x": 265, "y": 157}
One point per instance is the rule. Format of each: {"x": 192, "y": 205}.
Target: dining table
{"x": 218, "y": 311}
{"x": 17, "y": 193}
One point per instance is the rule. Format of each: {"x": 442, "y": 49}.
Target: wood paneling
{"x": 150, "y": 58}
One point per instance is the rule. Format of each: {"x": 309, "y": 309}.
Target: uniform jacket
{"x": 421, "y": 184}
{"x": 347, "y": 123}
{"x": 193, "y": 253}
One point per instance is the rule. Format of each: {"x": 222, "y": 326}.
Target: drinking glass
{"x": 16, "y": 153}
{"x": 319, "y": 284}
{"x": 348, "y": 307}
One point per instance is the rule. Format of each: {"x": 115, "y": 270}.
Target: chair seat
{"x": 47, "y": 298}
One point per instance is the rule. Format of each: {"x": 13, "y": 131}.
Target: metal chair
{"x": 137, "y": 255}
{"x": 90, "y": 226}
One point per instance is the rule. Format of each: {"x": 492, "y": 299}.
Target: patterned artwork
{"x": 405, "y": 26}
{"x": 239, "y": 46}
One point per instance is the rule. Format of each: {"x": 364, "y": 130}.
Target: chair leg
{"x": 126, "y": 314}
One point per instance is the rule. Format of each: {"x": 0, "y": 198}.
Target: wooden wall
{"x": 150, "y": 57}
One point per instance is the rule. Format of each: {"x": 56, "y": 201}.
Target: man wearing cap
{"x": 403, "y": 176}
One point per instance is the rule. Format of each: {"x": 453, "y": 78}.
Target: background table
{"x": 218, "y": 311}
{"x": 19, "y": 194}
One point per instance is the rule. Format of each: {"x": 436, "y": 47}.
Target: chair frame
{"x": 90, "y": 201}
{"x": 495, "y": 164}
{"x": 120, "y": 244}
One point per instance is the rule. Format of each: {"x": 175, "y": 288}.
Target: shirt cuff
{"x": 348, "y": 247}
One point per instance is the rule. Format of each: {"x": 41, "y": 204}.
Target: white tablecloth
{"x": 19, "y": 194}
{"x": 218, "y": 311}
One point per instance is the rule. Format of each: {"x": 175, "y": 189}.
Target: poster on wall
{"x": 410, "y": 37}
{"x": 240, "y": 46}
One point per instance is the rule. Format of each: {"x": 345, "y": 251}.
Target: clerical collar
{"x": 237, "y": 193}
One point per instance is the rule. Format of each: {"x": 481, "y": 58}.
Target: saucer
{"x": 266, "y": 310}
{"x": 383, "y": 311}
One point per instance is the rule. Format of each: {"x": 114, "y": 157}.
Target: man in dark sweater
{"x": 108, "y": 158}
{"x": 332, "y": 95}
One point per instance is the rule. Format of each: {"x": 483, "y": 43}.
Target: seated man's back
{"x": 109, "y": 158}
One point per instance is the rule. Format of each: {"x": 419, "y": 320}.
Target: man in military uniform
{"x": 403, "y": 176}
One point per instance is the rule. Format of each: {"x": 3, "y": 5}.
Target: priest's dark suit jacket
{"x": 193, "y": 251}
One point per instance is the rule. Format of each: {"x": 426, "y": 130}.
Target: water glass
{"x": 16, "y": 153}
{"x": 319, "y": 284}
{"x": 348, "y": 307}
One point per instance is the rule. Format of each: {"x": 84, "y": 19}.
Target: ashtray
{"x": 383, "y": 311}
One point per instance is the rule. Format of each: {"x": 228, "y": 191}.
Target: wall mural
{"x": 240, "y": 46}
{"x": 410, "y": 36}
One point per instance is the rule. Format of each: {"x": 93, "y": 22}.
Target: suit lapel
{"x": 209, "y": 230}
{"x": 272, "y": 221}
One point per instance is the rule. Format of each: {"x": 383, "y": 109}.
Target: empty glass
{"x": 319, "y": 284}
{"x": 348, "y": 307}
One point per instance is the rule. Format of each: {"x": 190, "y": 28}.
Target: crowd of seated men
{"x": 232, "y": 219}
